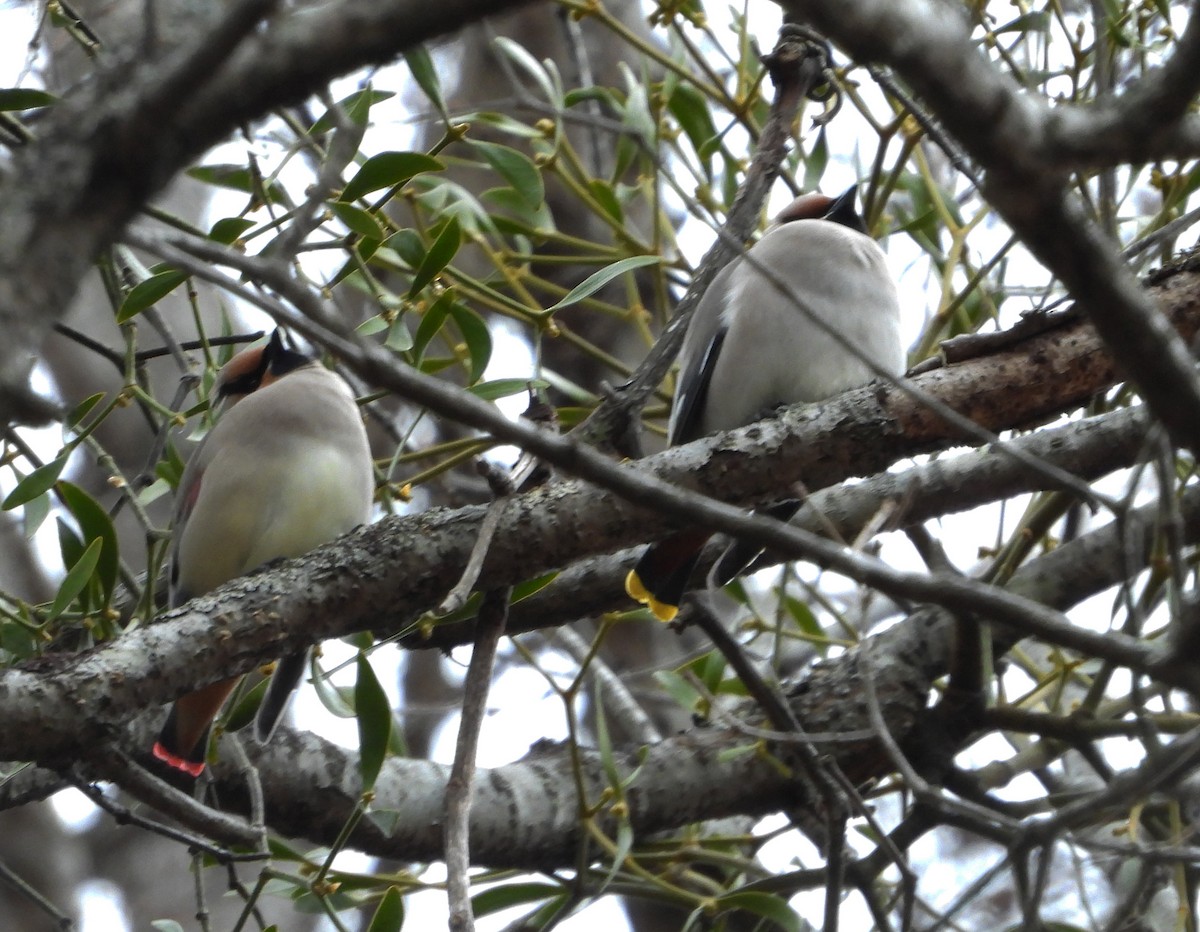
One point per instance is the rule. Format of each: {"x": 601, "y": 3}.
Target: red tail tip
{"x": 190, "y": 767}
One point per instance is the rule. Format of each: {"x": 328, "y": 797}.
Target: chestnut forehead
{"x": 810, "y": 206}
{"x": 247, "y": 361}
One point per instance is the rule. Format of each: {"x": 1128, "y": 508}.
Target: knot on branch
{"x": 802, "y": 64}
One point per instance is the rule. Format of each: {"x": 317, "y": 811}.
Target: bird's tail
{"x": 183, "y": 741}
{"x": 287, "y": 676}
{"x": 661, "y": 575}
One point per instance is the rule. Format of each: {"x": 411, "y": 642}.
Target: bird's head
{"x": 257, "y": 367}
{"x": 815, "y": 206}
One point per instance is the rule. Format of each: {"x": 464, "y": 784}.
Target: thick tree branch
{"x": 526, "y": 813}
{"x": 1090, "y": 448}
{"x": 354, "y": 583}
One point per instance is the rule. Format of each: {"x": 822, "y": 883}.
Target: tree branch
{"x": 526, "y": 813}
{"x": 353, "y": 583}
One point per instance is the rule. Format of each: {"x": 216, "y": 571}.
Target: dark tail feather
{"x": 167, "y": 750}
{"x": 661, "y": 575}
{"x": 183, "y": 741}
{"x": 287, "y": 676}
{"x": 740, "y": 554}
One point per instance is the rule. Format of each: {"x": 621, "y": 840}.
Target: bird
{"x": 752, "y": 347}
{"x": 285, "y": 468}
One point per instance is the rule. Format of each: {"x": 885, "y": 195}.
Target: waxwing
{"x": 285, "y": 469}
{"x": 752, "y": 347}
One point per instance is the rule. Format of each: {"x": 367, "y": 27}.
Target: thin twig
{"x": 813, "y": 768}
{"x": 8, "y": 876}
{"x": 493, "y": 614}
{"x": 201, "y": 914}
{"x": 490, "y": 624}
{"x": 617, "y": 696}
{"x": 254, "y": 789}
{"x": 121, "y": 769}
{"x": 457, "y": 597}
{"x": 125, "y": 816}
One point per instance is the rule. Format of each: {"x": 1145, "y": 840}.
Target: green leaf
{"x": 170, "y": 467}
{"x": 531, "y": 587}
{"x": 25, "y": 98}
{"x": 408, "y": 246}
{"x": 431, "y": 323}
{"x": 709, "y": 669}
{"x": 389, "y": 915}
{"x": 636, "y": 117}
{"x": 359, "y": 640}
{"x": 425, "y": 74}
{"x": 95, "y": 525}
{"x": 603, "y": 95}
{"x": 505, "y": 388}
{"x": 17, "y": 640}
{"x": 511, "y": 894}
{"x": 357, "y": 220}
{"x": 77, "y": 578}
{"x": 608, "y": 764}
{"x": 769, "y": 907}
{"x": 372, "y": 325}
{"x": 805, "y": 619}
{"x": 434, "y": 365}
{"x": 604, "y": 743}
{"x": 333, "y": 698}
{"x": 732, "y": 754}
{"x": 153, "y": 492}
{"x": 374, "y": 722}
{"x": 477, "y": 337}
{"x": 678, "y": 689}
{"x": 38, "y": 482}
{"x": 242, "y": 714}
{"x": 516, "y": 168}
{"x": 447, "y": 199}
{"x": 166, "y": 925}
{"x": 229, "y": 230}
{"x": 1030, "y": 22}
{"x": 399, "y": 339}
{"x": 150, "y": 292}
{"x": 388, "y": 169}
{"x": 312, "y": 904}
{"x": 513, "y": 215}
{"x": 388, "y": 821}
{"x": 239, "y": 178}
{"x": 598, "y": 280}
{"x": 33, "y": 514}
{"x": 518, "y": 55}
{"x": 357, "y": 107}
{"x": 690, "y": 109}
{"x": 438, "y": 256}
{"x": 606, "y": 197}
{"x": 814, "y": 165}
{"x": 81, "y": 410}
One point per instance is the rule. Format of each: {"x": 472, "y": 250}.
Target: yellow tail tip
{"x": 635, "y": 589}
{"x": 639, "y": 593}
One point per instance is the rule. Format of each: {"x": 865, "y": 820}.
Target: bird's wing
{"x": 698, "y": 358}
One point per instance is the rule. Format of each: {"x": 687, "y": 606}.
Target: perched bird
{"x": 752, "y": 347}
{"x": 285, "y": 469}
